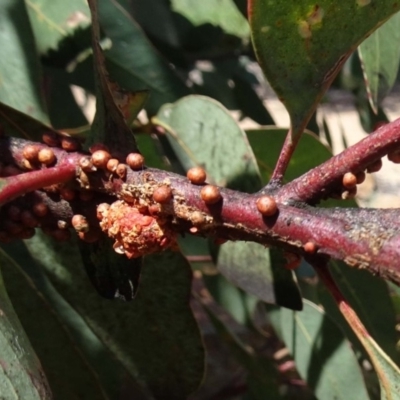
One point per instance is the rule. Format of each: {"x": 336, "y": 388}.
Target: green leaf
{"x": 215, "y": 84}
{"x": 55, "y": 20}
{"x": 104, "y": 366}
{"x": 64, "y": 111}
{"x": 19, "y": 124}
{"x": 387, "y": 371}
{"x": 302, "y": 45}
{"x": 369, "y": 297}
{"x": 202, "y": 132}
{"x": 249, "y": 266}
{"x": 21, "y": 375}
{"x": 156, "y": 19}
{"x": 114, "y": 106}
{"x": 223, "y": 13}
{"x": 155, "y": 337}
{"x": 20, "y": 73}
{"x": 228, "y": 296}
{"x": 150, "y": 148}
{"x": 323, "y": 357}
{"x": 133, "y": 61}
{"x": 262, "y": 374}
{"x": 68, "y": 372}
{"x": 380, "y": 58}
{"x": 267, "y": 142}
{"x": 249, "y": 102}
{"x": 112, "y": 275}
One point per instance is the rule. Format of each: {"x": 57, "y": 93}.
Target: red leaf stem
{"x": 321, "y": 180}
{"x": 18, "y": 185}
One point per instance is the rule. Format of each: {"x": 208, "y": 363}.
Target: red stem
{"x": 363, "y": 238}
{"x": 18, "y": 185}
{"x": 322, "y": 179}
{"x": 284, "y": 157}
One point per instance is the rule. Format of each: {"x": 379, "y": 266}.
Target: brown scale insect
{"x": 349, "y": 180}
{"x": 135, "y": 161}
{"x": 267, "y": 206}
{"x": 100, "y": 158}
{"x": 46, "y": 156}
{"x": 69, "y": 144}
{"x": 210, "y": 194}
{"x": 121, "y": 170}
{"x": 196, "y": 175}
{"x": 31, "y": 152}
{"x": 51, "y": 139}
{"x": 98, "y": 146}
{"x": 86, "y": 195}
{"x": 112, "y": 164}
{"x": 162, "y": 194}
{"x": 310, "y": 247}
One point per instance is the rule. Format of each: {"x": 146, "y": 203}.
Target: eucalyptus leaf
{"x": 113, "y": 276}
{"x": 266, "y": 143}
{"x": 156, "y": 18}
{"x": 223, "y": 13}
{"x": 55, "y": 20}
{"x": 388, "y": 372}
{"x": 302, "y": 45}
{"x": 249, "y": 266}
{"x": 114, "y": 106}
{"x": 262, "y": 374}
{"x": 19, "y": 124}
{"x": 68, "y": 372}
{"x": 133, "y": 61}
{"x": 155, "y": 337}
{"x": 21, "y": 375}
{"x": 323, "y": 357}
{"x": 202, "y": 132}
{"x": 64, "y": 111}
{"x": 20, "y": 71}
{"x": 370, "y": 298}
{"x": 380, "y": 58}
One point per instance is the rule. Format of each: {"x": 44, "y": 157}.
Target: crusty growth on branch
{"x": 163, "y": 204}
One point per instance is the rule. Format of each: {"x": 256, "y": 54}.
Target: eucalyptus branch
{"x": 363, "y": 238}
{"x": 285, "y": 155}
{"x": 324, "y": 179}
{"x": 18, "y": 185}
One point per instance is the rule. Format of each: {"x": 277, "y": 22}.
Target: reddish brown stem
{"x": 284, "y": 157}
{"x": 18, "y": 185}
{"x": 322, "y": 179}
{"x": 363, "y": 238}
